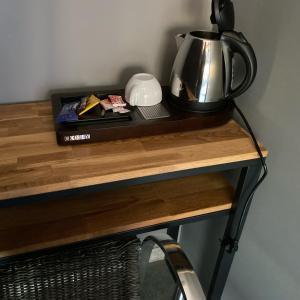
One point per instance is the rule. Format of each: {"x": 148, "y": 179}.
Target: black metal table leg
{"x": 248, "y": 178}
{"x": 173, "y": 232}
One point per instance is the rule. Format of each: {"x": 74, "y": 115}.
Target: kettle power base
{"x": 134, "y": 124}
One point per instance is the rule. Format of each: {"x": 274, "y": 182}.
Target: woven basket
{"x": 97, "y": 270}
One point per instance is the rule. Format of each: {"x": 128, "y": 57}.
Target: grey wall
{"x": 267, "y": 265}
{"x": 52, "y": 44}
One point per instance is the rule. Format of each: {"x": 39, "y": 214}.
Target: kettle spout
{"x": 179, "y": 40}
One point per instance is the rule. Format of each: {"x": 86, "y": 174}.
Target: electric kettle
{"x": 204, "y": 74}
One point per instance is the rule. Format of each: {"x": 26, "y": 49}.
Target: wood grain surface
{"x": 30, "y": 227}
{"x": 32, "y": 163}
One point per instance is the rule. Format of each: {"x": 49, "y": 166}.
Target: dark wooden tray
{"x": 133, "y": 124}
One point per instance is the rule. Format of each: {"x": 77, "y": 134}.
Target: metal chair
{"x": 164, "y": 249}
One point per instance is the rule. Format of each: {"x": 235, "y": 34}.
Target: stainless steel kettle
{"x": 203, "y": 73}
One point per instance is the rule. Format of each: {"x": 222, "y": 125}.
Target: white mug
{"x": 143, "y": 90}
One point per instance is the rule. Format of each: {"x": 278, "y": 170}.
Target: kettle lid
{"x": 223, "y": 15}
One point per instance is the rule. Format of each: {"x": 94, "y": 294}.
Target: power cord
{"x": 233, "y": 242}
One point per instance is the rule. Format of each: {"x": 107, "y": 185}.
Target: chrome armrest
{"x": 179, "y": 266}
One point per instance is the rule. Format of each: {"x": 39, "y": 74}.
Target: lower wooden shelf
{"x": 46, "y": 224}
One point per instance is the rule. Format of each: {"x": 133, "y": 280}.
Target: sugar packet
{"x": 117, "y": 101}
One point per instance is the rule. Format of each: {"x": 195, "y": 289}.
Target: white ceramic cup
{"x": 143, "y": 90}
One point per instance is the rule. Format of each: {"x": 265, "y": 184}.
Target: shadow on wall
{"x": 264, "y": 40}
{"x": 200, "y": 11}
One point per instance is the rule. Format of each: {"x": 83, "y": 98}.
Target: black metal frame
{"x": 229, "y": 244}
{"x": 249, "y": 175}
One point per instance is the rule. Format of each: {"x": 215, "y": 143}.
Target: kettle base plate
{"x": 197, "y": 107}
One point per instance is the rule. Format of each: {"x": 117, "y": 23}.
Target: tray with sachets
{"x": 91, "y": 108}
{"x": 95, "y": 116}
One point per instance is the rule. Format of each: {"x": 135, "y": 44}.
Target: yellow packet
{"x": 91, "y": 102}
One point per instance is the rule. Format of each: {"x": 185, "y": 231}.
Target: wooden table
{"x": 52, "y": 195}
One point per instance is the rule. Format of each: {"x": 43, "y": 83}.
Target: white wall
{"x": 267, "y": 266}
{"x": 52, "y": 44}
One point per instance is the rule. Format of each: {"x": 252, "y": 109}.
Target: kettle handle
{"x": 234, "y": 42}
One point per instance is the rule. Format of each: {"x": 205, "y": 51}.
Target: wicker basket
{"x": 97, "y": 270}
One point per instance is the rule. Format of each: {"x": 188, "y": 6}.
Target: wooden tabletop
{"x": 32, "y": 163}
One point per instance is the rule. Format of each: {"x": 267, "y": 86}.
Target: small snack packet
{"x": 82, "y": 105}
{"x": 68, "y": 113}
{"x": 121, "y": 110}
{"x": 106, "y": 104}
{"x": 91, "y": 102}
{"x": 117, "y": 101}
